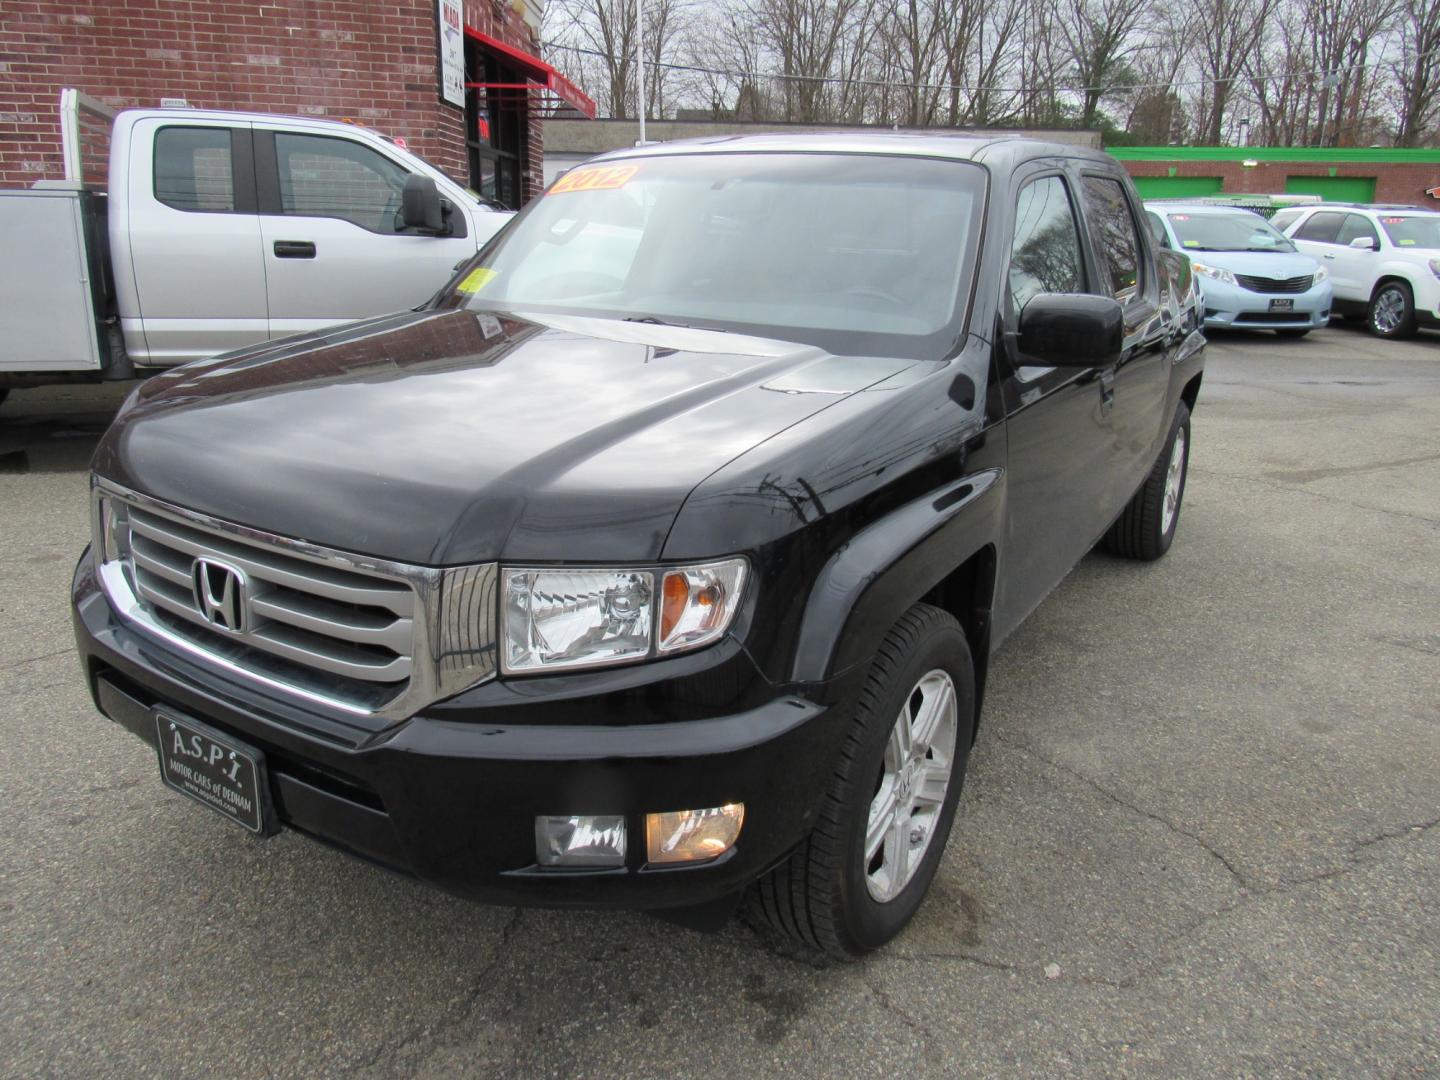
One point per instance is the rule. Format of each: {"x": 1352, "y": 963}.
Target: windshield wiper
{"x": 653, "y": 321}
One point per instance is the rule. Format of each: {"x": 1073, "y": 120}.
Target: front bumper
{"x": 1234, "y": 307}
{"x": 453, "y": 801}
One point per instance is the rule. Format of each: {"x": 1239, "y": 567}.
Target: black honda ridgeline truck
{"x": 658, "y": 561}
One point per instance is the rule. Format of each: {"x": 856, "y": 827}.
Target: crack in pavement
{"x": 1249, "y": 892}
{"x": 12, "y": 665}
{"x": 455, "y": 1014}
{"x": 1285, "y": 885}
{"x": 1205, "y": 845}
{"x": 889, "y": 1006}
{"x": 968, "y": 958}
{"x": 1305, "y": 476}
{"x": 1434, "y": 523}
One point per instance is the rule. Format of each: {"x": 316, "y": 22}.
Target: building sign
{"x": 452, "y": 52}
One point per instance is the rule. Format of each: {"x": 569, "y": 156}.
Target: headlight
{"x": 1321, "y": 274}
{"x": 1218, "y": 273}
{"x": 564, "y": 618}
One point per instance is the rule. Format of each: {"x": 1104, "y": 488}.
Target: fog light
{"x": 582, "y": 840}
{"x": 692, "y": 835}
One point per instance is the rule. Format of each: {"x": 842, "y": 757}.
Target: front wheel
{"x": 859, "y": 877}
{"x": 1392, "y": 311}
{"x": 1146, "y": 527}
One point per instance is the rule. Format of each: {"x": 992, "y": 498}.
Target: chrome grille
{"x": 369, "y": 636}
{"x": 1276, "y": 285}
{"x": 348, "y": 624}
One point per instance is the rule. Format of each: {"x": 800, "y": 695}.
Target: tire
{"x": 1392, "y": 311}
{"x": 1292, "y": 333}
{"x": 1146, "y": 527}
{"x": 827, "y": 896}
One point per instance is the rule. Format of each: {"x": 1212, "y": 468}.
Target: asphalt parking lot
{"x": 1198, "y": 838}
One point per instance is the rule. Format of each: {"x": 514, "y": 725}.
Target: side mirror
{"x": 1363, "y": 243}
{"x": 420, "y": 205}
{"x": 1072, "y": 329}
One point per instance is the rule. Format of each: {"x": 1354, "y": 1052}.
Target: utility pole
{"x": 640, "y": 51}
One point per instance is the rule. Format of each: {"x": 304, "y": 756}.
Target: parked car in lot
{"x": 1251, "y": 277}
{"x": 1384, "y": 261}
{"x": 658, "y": 562}
{"x": 218, "y": 230}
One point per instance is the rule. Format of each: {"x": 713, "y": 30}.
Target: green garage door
{"x": 1333, "y": 188}
{"x": 1177, "y": 187}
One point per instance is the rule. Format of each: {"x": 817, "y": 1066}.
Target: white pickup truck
{"x": 218, "y": 230}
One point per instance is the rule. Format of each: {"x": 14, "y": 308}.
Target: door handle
{"x": 1329, "y": 256}
{"x": 294, "y": 249}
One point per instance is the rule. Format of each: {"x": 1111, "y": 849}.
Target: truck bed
{"x": 54, "y": 280}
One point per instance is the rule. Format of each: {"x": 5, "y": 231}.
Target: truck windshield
{"x": 1240, "y": 231}
{"x": 856, "y": 253}
{"x": 1413, "y": 232}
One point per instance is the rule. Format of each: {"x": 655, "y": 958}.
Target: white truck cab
{"x": 1383, "y": 259}
{"x": 225, "y": 229}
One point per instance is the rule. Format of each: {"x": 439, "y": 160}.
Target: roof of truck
{"x": 962, "y": 146}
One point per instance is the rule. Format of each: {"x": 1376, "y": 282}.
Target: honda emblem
{"x": 219, "y": 590}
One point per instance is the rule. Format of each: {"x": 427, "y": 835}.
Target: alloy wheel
{"x": 1174, "y": 482}
{"x": 910, "y": 793}
{"x": 1389, "y": 311}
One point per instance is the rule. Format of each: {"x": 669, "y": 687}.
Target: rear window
{"x": 1412, "y": 232}
{"x": 1115, "y": 235}
{"x": 193, "y": 168}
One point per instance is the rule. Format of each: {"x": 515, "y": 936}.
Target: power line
{"x": 755, "y": 76}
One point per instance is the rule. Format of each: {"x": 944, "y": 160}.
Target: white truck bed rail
{"x": 80, "y": 116}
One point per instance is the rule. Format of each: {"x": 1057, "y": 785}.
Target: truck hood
{"x": 450, "y": 437}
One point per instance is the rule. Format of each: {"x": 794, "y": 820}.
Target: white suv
{"x": 1384, "y": 261}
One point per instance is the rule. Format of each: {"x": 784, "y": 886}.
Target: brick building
{"x": 1340, "y": 174}
{"x": 381, "y": 64}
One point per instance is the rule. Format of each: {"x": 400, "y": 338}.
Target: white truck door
{"x": 194, "y": 241}
{"x": 334, "y": 248}
{"x": 1319, "y": 237}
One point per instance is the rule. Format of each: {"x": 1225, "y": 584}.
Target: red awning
{"x": 532, "y": 67}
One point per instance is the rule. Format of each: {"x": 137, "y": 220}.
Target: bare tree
{"x": 816, "y": 40}
{"x": 606, "y": 30}
{"x": 1042, "y": 66}
{"x": 914, "y": 35}
{"x": 1418, "y": 72}
{"x": 1099, "y": 37}
{"x": 1227, "y": 35}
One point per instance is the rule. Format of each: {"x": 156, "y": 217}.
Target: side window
{"x": 1114, "y": 234}
{"x": 1157, "y": 229}
{"x": 1321, "y": 227}
{"x": 193, "y": 168}
{"x": 1045, "y": 255}
{"x": 1354, "y": 227}
{"x": 322, "y": 176}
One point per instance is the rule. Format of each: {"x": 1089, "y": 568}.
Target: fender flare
{"x": 886, "y": 568}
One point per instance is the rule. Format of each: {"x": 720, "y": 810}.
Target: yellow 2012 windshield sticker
{"x": 476, "y": 280}
{"x": 599, "y": 178}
